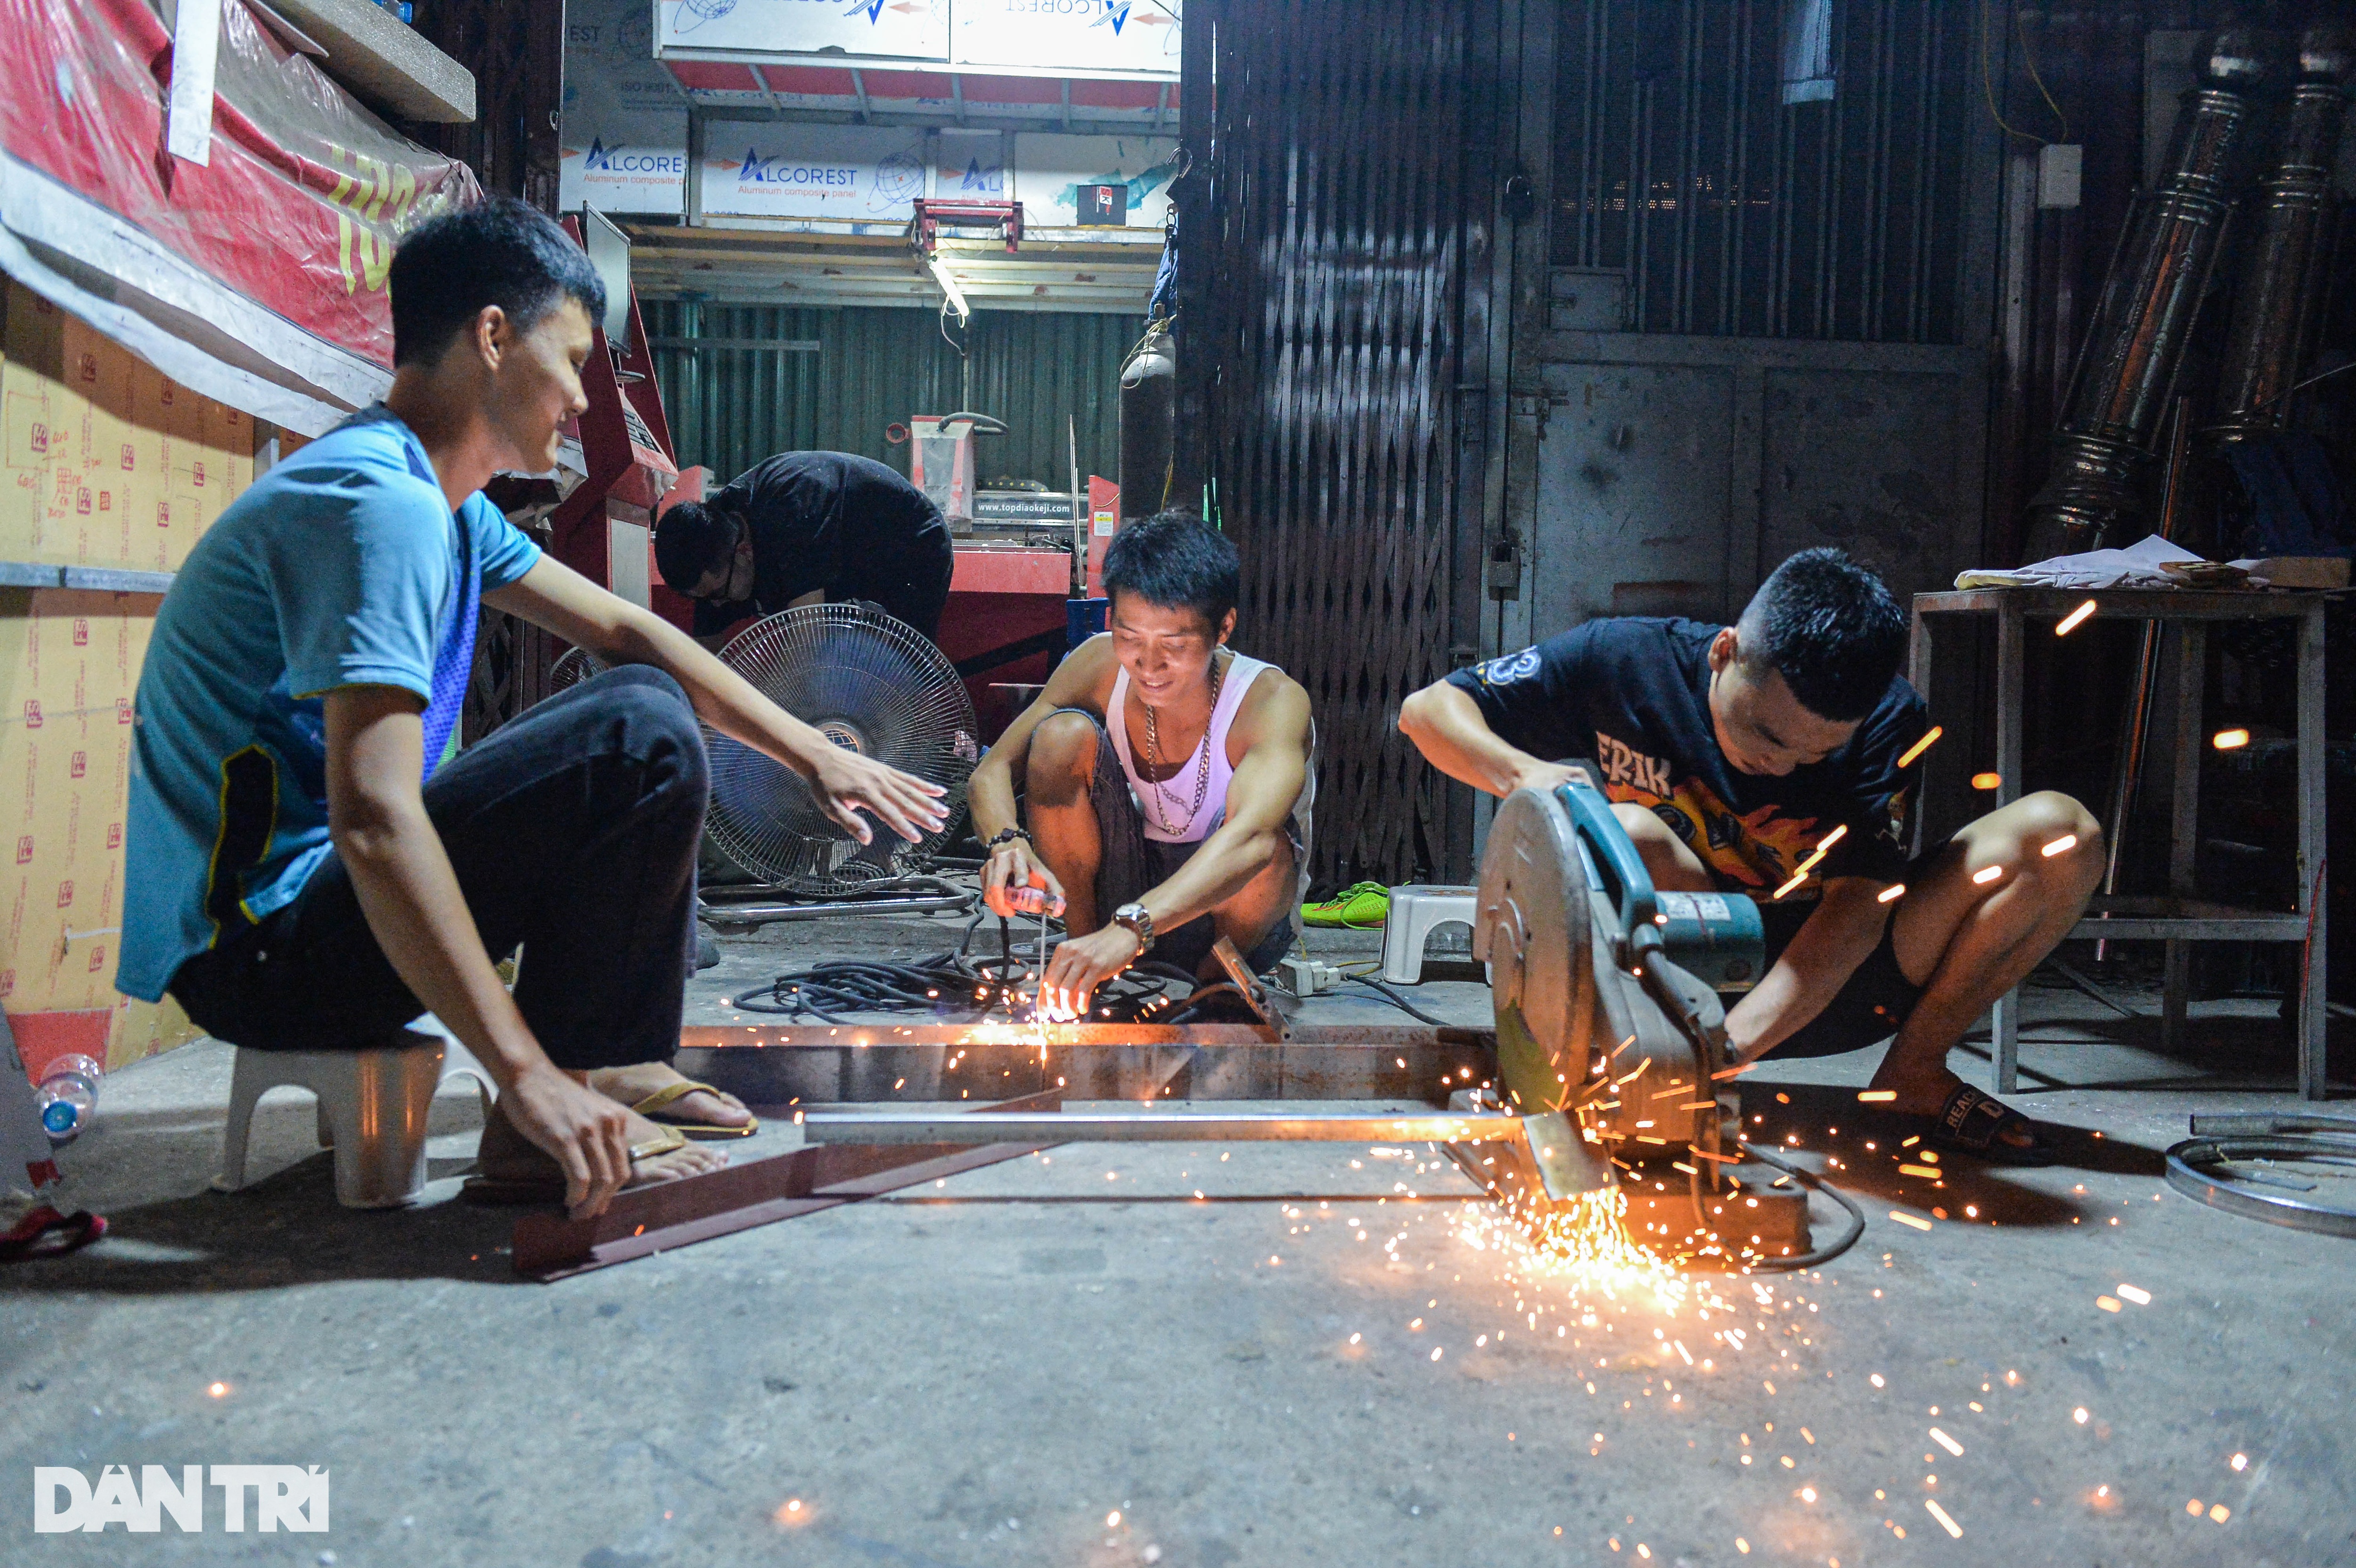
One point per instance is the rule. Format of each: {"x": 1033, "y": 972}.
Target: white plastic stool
{"x": 373, "y": 1106}
{"x": 1415, "y": 912}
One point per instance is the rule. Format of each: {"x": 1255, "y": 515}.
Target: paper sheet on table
{"x": 2137, "y": 566}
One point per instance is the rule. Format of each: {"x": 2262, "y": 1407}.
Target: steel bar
{"x": 764, "y": 914}
{"x": 2193, "y": 1170}
{"x": 1152, "y": 1126}
{"x": 918, "y": 1064}
{"x": 2313, "y": 841}
{"x": 547, "y": 1245}
{"x": 2127, "y": 773}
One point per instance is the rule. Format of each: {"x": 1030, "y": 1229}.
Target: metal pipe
{"x": 2276, "y": 311}
{"x": 1149, "y": 1127}
{"x": 2149, "y": 302}
{"x": 730, "y": 914}
{"x": 2129, "y": 773}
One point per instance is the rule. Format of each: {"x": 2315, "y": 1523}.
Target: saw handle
{"x": 1601, "y": 838}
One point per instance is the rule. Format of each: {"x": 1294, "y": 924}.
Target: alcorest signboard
{"x": 625, "y": 133}
{"x": 855, "y": 173}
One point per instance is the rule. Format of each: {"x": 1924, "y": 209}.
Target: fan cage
{"x": 870, "y": 683}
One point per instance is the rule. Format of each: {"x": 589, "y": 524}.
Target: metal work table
{"x": 2178, "y": 919}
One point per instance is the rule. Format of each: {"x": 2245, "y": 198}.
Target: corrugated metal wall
{"x": 1340, "y": 200}
{"x": 1743, "y": 205}
{"x": 736, "y": 389}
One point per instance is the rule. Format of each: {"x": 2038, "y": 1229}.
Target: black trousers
{"x": 572, "y": 829}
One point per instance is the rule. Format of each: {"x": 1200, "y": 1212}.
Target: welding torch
{"x": 1034, "y": 901}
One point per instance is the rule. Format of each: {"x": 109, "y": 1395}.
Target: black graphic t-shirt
{"x": 1631, "y": 695}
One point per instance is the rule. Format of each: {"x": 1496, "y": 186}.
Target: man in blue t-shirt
{"x": 1731, "y": 754}
{"x": 308, "y": 868}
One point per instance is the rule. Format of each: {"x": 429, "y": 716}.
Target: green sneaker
{"x": 1365, "y": 905}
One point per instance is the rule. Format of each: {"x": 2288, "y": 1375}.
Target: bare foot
{"x": 631, "y": 1085}
{"x": 506, "y": 1155}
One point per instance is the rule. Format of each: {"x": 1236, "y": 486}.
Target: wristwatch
{"x": 1133, "y": 919}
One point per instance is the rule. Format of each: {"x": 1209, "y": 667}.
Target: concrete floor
{"x": 989, "y": 1371}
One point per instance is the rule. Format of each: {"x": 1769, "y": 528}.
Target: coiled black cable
{"x": 947, "y": 985}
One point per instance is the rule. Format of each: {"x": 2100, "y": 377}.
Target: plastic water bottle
{"x": 69, "y": 1097}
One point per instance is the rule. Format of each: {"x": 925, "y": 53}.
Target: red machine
{"x": 1012, "y": 602}
{"x": 604, "y": 528}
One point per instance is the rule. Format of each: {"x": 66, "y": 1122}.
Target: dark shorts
{"x": 1868, "y": 1011}
{"x": 1133, "y": 864}
{"x": 572, "y": 829}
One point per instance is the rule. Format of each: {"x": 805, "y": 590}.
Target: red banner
{"x": 306, "y": 192}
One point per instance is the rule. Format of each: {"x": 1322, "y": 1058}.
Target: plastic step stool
{"x": 373, "y": 1106}
{"x": 1416, "y": 912}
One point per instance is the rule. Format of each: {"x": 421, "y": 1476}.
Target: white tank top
{"x": 1177, "y": 792}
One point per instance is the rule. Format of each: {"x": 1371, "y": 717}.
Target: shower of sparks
{"x": 2070, "y": 623}
{"x": 1583, "y": 1246}
{"x": 1891, "y": 894}
{"x": 1988, "y": 874}
{"x": 1987, "y": 781}
{"x": 1945, "y": 1523}
{"x": 2230, "y": 739}
{"x": 2061, "y": 846}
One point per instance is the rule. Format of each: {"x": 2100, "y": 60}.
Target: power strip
{"x": 1306, "y": 978}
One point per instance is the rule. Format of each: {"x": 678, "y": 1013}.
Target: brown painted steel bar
{"x": 643, "y": 1220}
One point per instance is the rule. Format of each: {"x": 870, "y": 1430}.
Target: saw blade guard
{"x": 1606, "y": 1007}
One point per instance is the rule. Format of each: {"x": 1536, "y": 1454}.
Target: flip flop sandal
{"x": 655, "y": 1102}
{"x": 504, "y": 1192}
{"x": 1974, "y": 1122}
{"x": 43, "y": 1232}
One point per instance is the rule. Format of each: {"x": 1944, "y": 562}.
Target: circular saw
{"x": 1610, "y": 1035}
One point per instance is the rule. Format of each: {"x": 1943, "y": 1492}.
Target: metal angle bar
{"x": 1152, "y": 1126}
{"x": 642, "y": 1221}
{"x": 751, "y": 914}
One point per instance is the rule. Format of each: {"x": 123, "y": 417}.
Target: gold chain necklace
{"x": 1201, "y": 772}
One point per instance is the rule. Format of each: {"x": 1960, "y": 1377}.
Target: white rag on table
{"x": 2137, "y": 566}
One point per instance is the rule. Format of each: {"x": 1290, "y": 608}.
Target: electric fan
{"x": 869, "y": 683}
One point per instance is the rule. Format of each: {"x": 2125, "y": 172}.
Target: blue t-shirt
{"x": 341, "y": 566}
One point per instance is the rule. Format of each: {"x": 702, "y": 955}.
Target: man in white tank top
{"x": 1166, "y": 778}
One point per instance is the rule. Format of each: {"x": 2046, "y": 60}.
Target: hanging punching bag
{"x": 1149, "y": 403}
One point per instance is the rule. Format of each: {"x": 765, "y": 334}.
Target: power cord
{"x": 947, "y": 985}
{"x": 1807, "y": 1178}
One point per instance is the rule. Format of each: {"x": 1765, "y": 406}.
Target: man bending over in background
{"x": 808, "y": 527}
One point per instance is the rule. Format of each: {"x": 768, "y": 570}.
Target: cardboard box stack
{"x": 108, "y": 464}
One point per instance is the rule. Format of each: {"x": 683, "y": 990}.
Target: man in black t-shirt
{"x": 1732, "y": 755}
{"x": 803, "y": 527}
